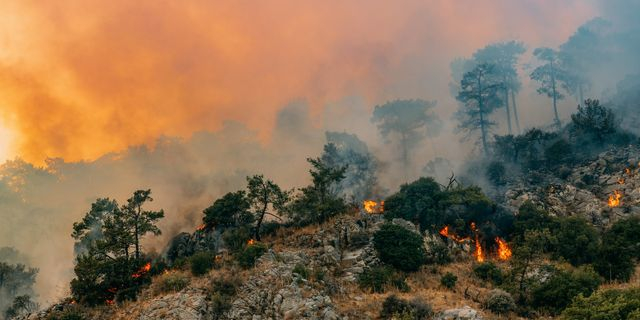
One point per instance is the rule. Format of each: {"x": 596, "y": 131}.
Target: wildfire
{"x": 504, "y": 252}
{"x": 251, "y": 242}
{"x": 614, "y": 199}
{"x": 110, "y": 302}
{"x": 621, "y": 181}
{"x": 142, "y": 270}
{"x": 445, "y": 233}
{"x": 372, "y": 207}
{"x": 201, "y": 227}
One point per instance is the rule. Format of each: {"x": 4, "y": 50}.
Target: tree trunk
{"x": 515, "y": 111}
{"x": 137, "y": 221}
{"x": 506, "y": 105}
{"x": 481, "y": 113}
{"x": 555, "y": 96}
{"x": 259, "y": 222}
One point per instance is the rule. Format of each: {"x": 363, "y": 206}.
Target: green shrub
{"x": 69, "y": 313}
{"x": 399, "y": 247}
{"x": 172, "y": 282}
{"x": 247, "y": 258}
{"x": 619, "y": 250}
{"x": 236, "y": 238}
{"x": 376, "y": 279}
{"x": 613, "y": 304}
{"x": 488, "y": 271}
{"x": 202, "y": 262}
{"x": 500, "y": 302}
{"x": 577, "y": 241}
{"x": 222, "y": 292}
{"x": 396, "y": 308}
{"x": 496, "y": 173}
{"x": 269, "y": 228}
{"x": 301, "y": 270}
{"x": 449, "y": 280}
{"x": 438, "y": 253}
{"x": 557, "y": 292}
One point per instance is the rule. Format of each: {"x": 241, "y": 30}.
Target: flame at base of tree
{"x": 251, "y": 242}
{"x": 615, "y": 199}
{"x": 142, "y": 271}
{"x": 373, "y": 207}
{"x": 503, "y": 251}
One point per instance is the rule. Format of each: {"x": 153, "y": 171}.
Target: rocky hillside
{"x": 602, "y": 190}
{"x": 312, "y": 272}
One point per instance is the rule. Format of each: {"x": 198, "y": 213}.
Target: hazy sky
{"x": 82, "y": 78}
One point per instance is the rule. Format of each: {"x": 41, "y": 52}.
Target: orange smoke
{"x": 82, "y": 78}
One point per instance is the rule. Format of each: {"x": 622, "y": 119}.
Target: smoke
{"x": 103, "y": 98}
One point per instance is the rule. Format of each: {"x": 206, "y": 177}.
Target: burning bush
{"x": 399, "y": 247}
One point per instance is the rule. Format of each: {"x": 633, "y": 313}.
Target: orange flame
{"x": 201, "y": 227}
{"x": 372, "y": 207}
{"x": 614, "y": 199}
{"x": 110, "y": 302}
{"x": 251, "y": 242}
{"x": 621, "y": 181}
{"x": 504, "y": 252}
{"x": 445, "y": 233}
{"x": 142, "y": 270}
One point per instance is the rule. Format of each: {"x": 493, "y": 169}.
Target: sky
{"x": 79, "y": 79}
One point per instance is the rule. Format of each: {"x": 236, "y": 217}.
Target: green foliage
{"x": 577, "y": 240}
{"x": 619, "y": 250}
{"x": 15, "y": 281}
{"x": 202, "y": 262}
{"x": 409, "y": 120}
{"x": 558, "y": 291}
{"x": 222, "y": 292}
{"x": 172, "y": 282}
{"x": 376, "y": 279}
{"x": 438, "y": 253}
{"x": 496, "y": 173}
{"x": 479, "y": 97}
{"x": 247, "y": 258}
{"x": 425, "y": 203}
{"x": 500, "y": 302}
{"x": 399, "y": 247}
{"x": 21, "y": 305}
{"x": 613, "y": 304}
{"x": 262, "y": 194}
{"x": 320, "y": 201}
{"x": 301, "y": 270}
{"x": 112, "y": 255}
{"x": 593, "y": 121}
{"x": 397, "y": 308}
{"x": 235, "y": 239}
{"x": 448, "y": 280}
{"x": 347, "y": 150}
{"x": 488, "y": 271}
{"x": 230, "y": 211}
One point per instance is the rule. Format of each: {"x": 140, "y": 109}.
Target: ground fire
{"x": 373, "y": 207}
{"x": 201, "y": 227}
{"x": 142, "y": 270}
{"x": 251, "y": 242}
{"x": 615, "y": 199}
{"x": 503, "y": 251}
